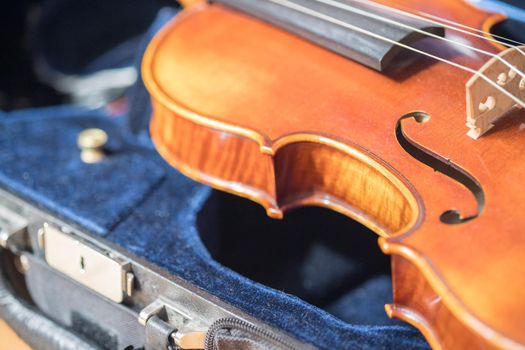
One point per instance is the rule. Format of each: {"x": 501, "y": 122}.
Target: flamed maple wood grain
{"x": 253, "y": 110}
{"x": 350, "y": 187}
{"x": 216, "y": 157}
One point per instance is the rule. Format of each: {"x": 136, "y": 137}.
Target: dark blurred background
{"x": 52, "y": 50}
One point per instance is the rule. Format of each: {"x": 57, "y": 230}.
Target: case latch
{"x": 85, "y": 264}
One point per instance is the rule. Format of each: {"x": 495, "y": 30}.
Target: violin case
{"x": 128, "y": 253}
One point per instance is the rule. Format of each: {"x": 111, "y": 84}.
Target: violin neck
{"x": 341, "y": 26}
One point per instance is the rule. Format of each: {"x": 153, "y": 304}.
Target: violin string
{"x": 487, "y": 35}
{"x": 347, "y": 8}
{"x": 313, "y": 13}
{"x": 423, "y": 16}
{"x": 449, "y": 24}
{"x": 350, "y": 9}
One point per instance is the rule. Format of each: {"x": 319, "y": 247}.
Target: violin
{"x": 404, "y": 115}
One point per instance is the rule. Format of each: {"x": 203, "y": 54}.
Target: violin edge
{"x": 408, "y": 265}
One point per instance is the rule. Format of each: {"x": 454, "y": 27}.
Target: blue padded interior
{"x": 134, "y": 199}
{"x": 44, "y": 141}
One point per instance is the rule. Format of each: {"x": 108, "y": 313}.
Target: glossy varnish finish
{"x": 253, "y": 110}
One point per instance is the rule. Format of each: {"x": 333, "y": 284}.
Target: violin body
{"x": 251, "y": 109}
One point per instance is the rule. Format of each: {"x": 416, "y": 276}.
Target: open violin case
{"x": 128, "y": 253}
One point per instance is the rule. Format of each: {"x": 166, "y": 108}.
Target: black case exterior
{"x": 50, "y": 310}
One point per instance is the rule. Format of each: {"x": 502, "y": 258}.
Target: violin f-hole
{"x": 442, "y": 165}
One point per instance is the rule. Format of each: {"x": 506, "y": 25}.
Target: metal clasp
{"x": 175, "y": 327}
{"x": 13, "y": 229}
{"x": 85, "y": 264}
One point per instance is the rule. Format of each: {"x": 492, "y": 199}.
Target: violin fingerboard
{"x": 374, "y": 44}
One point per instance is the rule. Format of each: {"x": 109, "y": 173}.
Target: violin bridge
{"x": 485, "y": 102}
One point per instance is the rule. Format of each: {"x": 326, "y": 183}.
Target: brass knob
{"x": 91, "y": 143}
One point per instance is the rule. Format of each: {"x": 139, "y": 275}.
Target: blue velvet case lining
{"x": 134, "y": 199}
{"x": 58, "y": 176}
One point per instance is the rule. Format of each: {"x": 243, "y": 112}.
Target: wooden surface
{"x": 9, "y": 340}
{"x": 255, "y": 111}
